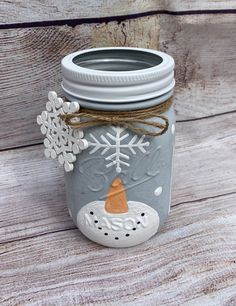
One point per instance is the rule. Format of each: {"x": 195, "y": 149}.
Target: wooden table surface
{"x": 44, "y": 260}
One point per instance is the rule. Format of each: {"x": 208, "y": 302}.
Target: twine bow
{"x": 128, "y": 119}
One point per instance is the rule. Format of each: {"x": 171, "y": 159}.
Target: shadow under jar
{"x": 119, "y": 192}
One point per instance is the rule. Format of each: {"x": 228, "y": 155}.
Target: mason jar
{"x": 119, "y": 191}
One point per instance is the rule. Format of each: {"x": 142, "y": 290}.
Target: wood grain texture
{"x": 44, "y": 260}
{"x": 30, "y": 66}
{"x": 33, "y": 193}
{"x": 33, "y": 11}
{"x": 204, "y": 50}
{"x": 192, "y": 5}
{"x": 190, "y": 262}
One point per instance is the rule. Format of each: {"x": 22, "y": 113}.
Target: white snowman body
{"x": 117, "y": 230}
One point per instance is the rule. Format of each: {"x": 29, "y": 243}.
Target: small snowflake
{"x": 61, "y": 141}
{"x": 118, "y": 158}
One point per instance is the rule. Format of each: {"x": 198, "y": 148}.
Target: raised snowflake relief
{"x": 61, "y": 141}
{"x": 112, "y": 146}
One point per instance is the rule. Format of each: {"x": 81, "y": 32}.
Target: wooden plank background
{"x": 30, "y": 63}
{"x": 37, "y": 11}
{"x": 204, "y": 49}
{"x": 44, "y": 260}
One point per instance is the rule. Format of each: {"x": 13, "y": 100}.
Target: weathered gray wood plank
{"x": 192, "y": 5}
{"x": 191, "y": 262}
{"x": 32, "y": 11}
{"x": 203, "y": 47}
{"x": 32, "y": 192}
{"x": 30, "y": 66}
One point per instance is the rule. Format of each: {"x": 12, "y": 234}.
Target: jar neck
{"x": 119, "y": 106}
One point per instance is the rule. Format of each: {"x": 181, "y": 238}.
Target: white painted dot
{"x": 173, "y": 129}
{"x": 158, "y": 191}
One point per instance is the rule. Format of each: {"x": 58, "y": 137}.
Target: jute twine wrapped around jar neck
{"x": 128, "y": 119}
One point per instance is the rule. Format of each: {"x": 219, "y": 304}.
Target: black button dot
{"x": 96, "y": 221}
{"x": 105, "y": 234}
{"x": 91, "y": 212}
{"x": 138, "y": 222}
{"x": 134, "y": 229}
{"x": 142, "y": 214}
{"x": 100, "y": 228}
{"x": 127, "y": 235}
{"x": 116, "y": 238}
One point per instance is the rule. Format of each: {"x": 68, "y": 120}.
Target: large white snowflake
{"x": 61, "y": 141}
{"x": 115, "y": 143}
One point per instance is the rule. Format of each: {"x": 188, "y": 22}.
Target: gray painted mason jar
{"x": 119, "y": 191}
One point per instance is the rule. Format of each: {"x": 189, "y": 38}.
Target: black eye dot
{"x": 142, "y": 214}
{"x": 134, "y": 229}
{"x": 116, "y": 238}
{"x": 100, "y": 228}
{"x": 96, "y": 221}
{"x": 105, "y": 234}
{"x": 91, "y": 212}
{"x": 138, "y": 222}
{"x": 127, "y": 235}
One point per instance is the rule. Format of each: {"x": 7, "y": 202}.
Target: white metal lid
{"x": 117, "y": 75}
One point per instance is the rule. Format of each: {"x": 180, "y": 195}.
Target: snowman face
{"x": 127, "y": 229}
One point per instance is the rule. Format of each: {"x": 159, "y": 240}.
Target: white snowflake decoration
{"x": 118, "y": 158}
{"x": 61, "y": 141}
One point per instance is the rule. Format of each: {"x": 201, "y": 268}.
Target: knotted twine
{"x": 128, "y": 119}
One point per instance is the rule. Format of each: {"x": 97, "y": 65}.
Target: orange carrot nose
{"x": 116, "y": 202}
